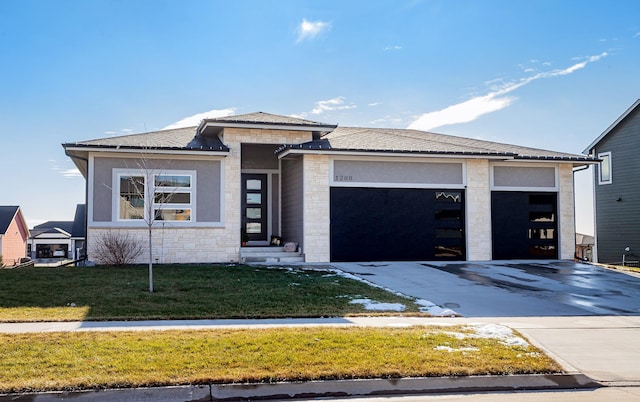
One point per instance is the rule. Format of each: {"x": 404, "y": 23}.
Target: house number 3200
{"x": 344, "y": 178}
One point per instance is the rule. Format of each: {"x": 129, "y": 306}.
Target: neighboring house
{"x": 340, "y": 193}
{"x": 584, "y": 247}
{"x": 617, "y": 188}
{"x": 13, "y": 235}
{"x": 59, "y": 239}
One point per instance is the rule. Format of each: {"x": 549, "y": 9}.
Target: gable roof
{"x": 78, "y": 229}
{"x": 613, "y": 125}
{"x": 64, "y": 227}
{"x": 7, "y": 213}
{"x": 386, "y": 140}
{"x": 10, "y": 213}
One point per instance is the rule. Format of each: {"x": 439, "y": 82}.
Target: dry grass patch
{"x": 89, "y": 360}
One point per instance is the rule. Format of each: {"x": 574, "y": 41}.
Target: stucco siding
{"x": 292, "y": 201}
{"x": 208, "y": 182}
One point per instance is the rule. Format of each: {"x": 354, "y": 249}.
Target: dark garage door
{"x": 383, "y": 224}
{"x": 524, "y": 225}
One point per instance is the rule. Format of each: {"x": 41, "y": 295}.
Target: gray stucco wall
{"x": 618, "y": 222}
{"x": 259, "y": 156}
{"x": 397, "y": 172}
{"x": 292, "y": 196}
{"x": 525, "y": 176}
{"x": 208, "y": 184}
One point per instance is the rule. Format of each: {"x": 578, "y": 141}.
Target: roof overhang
{"x": 285, "y": 152}
{"x": 79, "y": 154}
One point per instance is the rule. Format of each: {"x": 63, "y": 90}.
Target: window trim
{"x": 608, "y": 157}
{"x": 150, "y": 190}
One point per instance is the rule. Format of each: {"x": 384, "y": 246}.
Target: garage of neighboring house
{"x": 390, "y": 211}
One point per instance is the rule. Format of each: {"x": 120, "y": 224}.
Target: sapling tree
{"x": 146, "y": 193}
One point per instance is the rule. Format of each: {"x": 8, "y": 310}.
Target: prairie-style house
{"x": 338, "y": 193}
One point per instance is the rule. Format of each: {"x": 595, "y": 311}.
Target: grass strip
{"x": 93, "y": 360}
{"x": 181, "y": 292}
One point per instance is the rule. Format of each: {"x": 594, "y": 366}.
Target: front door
{"x": 254, "y": 206}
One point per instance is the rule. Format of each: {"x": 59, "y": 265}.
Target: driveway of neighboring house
{"x": 509, "y": 288}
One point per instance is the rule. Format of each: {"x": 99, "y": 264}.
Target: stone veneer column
{"x": 478, "y": 211}
{"x": 316, "y": 208}
{"x": 566, "y": 213}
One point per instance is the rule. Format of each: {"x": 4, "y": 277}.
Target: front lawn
{"x": 89, "y": 360}
{"x": 182, "y": 292}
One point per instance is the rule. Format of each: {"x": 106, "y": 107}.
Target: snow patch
{"x": 378, "y": 306}
{"x": 500, "y": 332}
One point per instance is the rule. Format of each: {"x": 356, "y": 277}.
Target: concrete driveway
{"x": 586, "y": 317}
{"x": 509, "y": 288}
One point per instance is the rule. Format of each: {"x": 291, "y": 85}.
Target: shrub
{"x": 116, "y": 248}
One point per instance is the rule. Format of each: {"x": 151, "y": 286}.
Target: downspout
{"x": 86, "y": 204}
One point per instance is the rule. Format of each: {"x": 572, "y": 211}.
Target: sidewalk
{"x": 605, "y": 349}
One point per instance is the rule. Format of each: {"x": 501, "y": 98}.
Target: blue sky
{"x": 546, "y": 74}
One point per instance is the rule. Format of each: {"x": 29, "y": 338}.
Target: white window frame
{"x": 150, "y": 191}
{"x": 606, "y": 155}
{"x": 178, "y": 189}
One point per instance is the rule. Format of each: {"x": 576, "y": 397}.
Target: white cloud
{"x": 331, "y": 105}
{"x": 394, "y": 47}
{"x": 374, "y": 104}
{"x": 196, "y": 118}
{"x": 311, "y": 29}
{"x": 68, "y": 173}
{"x": 71, "y": 173}
{"x": 494, "y": 101}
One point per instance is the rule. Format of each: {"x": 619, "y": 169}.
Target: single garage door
{"x": 391, "y": 224}
{"x": 524, "y": 225}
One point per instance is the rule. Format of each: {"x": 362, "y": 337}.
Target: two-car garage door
{"x": 396, "y": 224}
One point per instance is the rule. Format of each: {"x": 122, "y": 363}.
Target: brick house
{"x": 340, "y": 193}
{"x": 13, "y": 235}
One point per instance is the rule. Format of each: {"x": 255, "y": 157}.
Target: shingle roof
{"x": 6, "y": 216}
{"x": 51, "y": 226}
{"x": 358, "y": 139}
{"x": 268, "y": 118}
{"x": 79, "y": 225}
{"x": 414, "y": 141}
{"x": 180, "y": 138}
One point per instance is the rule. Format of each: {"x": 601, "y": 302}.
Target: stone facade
{"x": 316, "y": 208}
{"x": 478, "y": 214}
{"x": 221, "y": 243}
{"x": 566, "y": 213}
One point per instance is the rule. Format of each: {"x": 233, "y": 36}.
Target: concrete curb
{"x": 317, "y": 389}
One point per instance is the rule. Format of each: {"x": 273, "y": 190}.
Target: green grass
{"x": 180, "y": 292}
{"x": 89, "y": 360}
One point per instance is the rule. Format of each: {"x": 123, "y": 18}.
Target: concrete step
{"x": 269, "y": 254}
